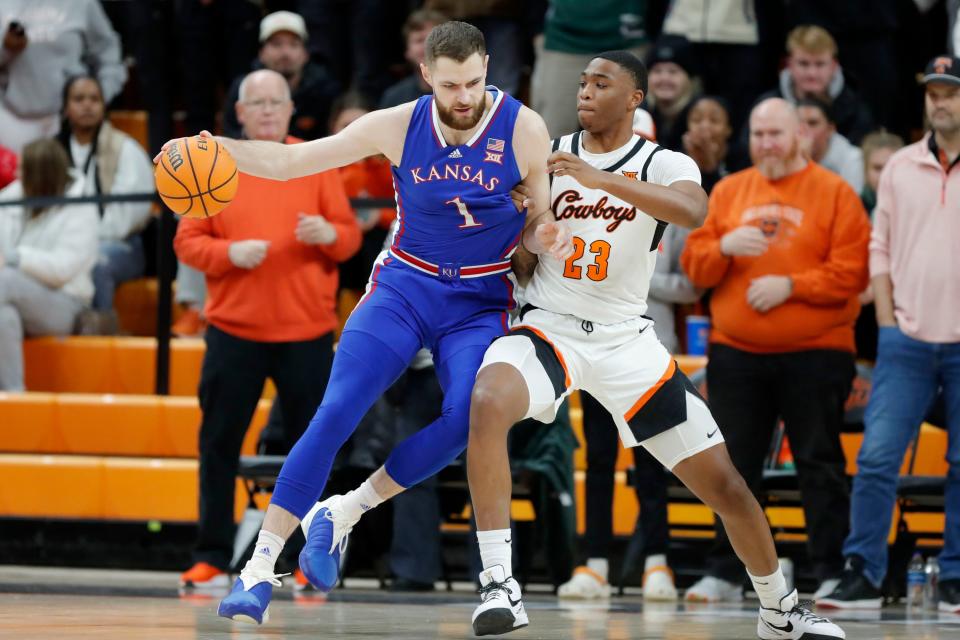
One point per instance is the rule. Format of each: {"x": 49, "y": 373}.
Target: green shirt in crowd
{"x": 592, "y": 26}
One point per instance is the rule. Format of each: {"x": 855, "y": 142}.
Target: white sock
{"x": 495, "y": 548}
{"x": 656, "y": 560}
{"x": 772, "y": 589}
{"x": 360, "y": 500}
{"x": 265, "y": 553}
{"x": 599, "y": 566}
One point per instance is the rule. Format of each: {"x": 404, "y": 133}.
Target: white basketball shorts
{"x": 623, "y": 366}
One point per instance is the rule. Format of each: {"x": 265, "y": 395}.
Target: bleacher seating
{"x": 91, "y": 427}
{"x": 118, "y": 365}
{"x": 103, "y": 456}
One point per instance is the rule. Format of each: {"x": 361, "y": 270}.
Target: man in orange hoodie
{"x": 270, "y": 261}
{"x": 784, "y": 248}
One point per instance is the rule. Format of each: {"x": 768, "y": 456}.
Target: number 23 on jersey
{"x": 597, "y": 270}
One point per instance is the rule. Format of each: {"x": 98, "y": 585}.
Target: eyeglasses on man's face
{"x": 263, "y": 103}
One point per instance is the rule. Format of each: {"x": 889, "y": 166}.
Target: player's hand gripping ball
{"x": 196, "y": 177}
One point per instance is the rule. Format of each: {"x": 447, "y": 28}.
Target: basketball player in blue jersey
{"x": 445, "y": 284}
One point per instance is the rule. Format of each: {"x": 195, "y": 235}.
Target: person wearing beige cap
{"x": 283, "y": 48}
{"x": 283, "y": 21}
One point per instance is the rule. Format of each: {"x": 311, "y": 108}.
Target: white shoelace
{"x": 805, "y": 613}
{"x": 344, "y": 532}
{"x": 256, "y": 578}
{"x": 490, "y": 591}
{"x": 800, "y": 609}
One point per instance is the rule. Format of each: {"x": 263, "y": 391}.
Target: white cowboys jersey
{"x": 607, "y": 278}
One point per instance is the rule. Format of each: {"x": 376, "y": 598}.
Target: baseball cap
{"x": 282, "y": 21}
{"x": 943, "y": 69}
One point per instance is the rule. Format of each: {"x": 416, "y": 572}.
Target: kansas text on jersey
{"x": 453, "y": 201}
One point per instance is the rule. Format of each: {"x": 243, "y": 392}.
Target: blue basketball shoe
{"x": 249, "y": 600}
{"x": 327, "y": 530}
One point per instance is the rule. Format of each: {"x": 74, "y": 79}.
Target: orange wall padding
{"x": 101, "y": 488}
{"x": 108, "y": 425}
{"x": 122, "y": 365}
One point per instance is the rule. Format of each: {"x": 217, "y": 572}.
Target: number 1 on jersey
{"x": 468, "y": 220}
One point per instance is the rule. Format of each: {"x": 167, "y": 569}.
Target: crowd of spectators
{"x": 791, "y": 110}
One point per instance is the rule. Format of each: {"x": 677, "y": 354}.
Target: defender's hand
{"x": 556, "y": 237}
{"x": 561, "y": 163}
{"x": 521, "y": 197}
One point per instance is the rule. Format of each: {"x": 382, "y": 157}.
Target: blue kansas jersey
{"x": 444, "y": 285}
{"x": 453, "y": 202}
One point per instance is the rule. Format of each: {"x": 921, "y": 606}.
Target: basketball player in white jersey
{"x": 583, "y": 327}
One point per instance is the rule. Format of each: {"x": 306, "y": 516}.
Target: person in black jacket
{"x": 813, "y": 72}
{"x": 673, "y": 86}
{"x": 283, "y": 38}
{"x": 866, "y": 33}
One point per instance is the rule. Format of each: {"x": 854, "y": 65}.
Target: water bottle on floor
{"x": 916, "y": 579}
{"x": 931, "y": 581}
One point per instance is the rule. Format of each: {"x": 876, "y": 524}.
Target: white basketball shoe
{"x": 501, "y": 609}
{"x": 793, "y": 621}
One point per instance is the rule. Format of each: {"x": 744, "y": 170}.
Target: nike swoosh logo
{"x": 712, "y": 433}
{"x": 513, "y": 602}
{"x": 787, "y": 628}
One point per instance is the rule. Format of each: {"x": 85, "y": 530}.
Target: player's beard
{"x": 461, "y": 123}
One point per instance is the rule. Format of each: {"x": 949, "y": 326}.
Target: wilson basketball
{"x": 196, "y": 177}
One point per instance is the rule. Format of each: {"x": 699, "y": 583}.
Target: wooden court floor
{"x": 54, "y": 604}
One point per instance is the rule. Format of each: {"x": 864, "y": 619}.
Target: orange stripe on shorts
{"x": 671, "y": 368}
{"x": 566, "y": 372}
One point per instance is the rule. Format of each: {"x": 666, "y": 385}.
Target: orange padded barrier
{"x": 101, "y": 488}
{"x": 122, "y": 365}
{"x": 151, "y": 489}
{"x": 109, "y": 425}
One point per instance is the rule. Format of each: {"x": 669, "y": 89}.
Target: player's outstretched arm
{"x": 682, "y": 202}
{"x": 378, "y": 132}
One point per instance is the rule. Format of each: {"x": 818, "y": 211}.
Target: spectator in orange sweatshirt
{"x": 270, "y": 261}
{"x": 784, "y": 248}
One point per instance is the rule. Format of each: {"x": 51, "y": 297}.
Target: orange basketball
{"x": 196, "y": 177}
